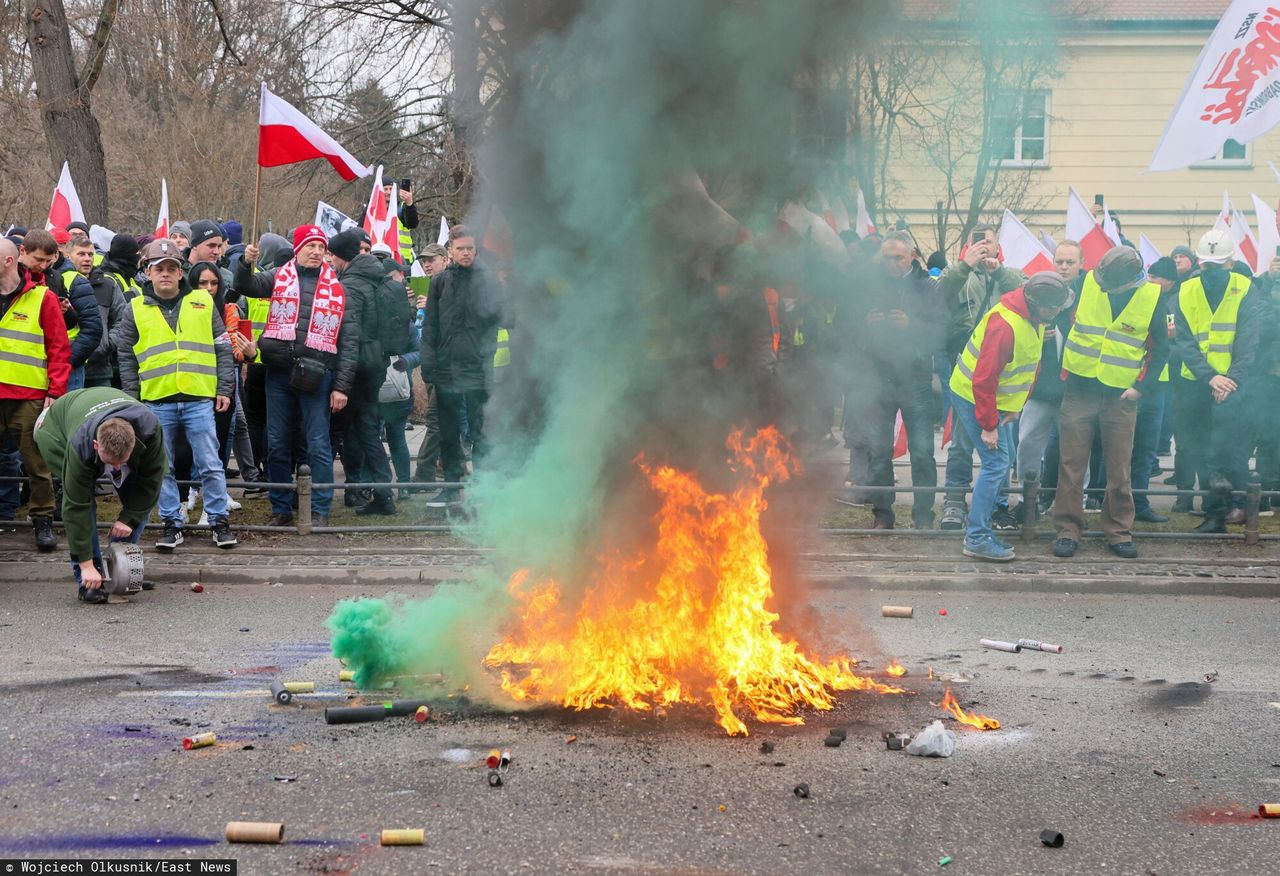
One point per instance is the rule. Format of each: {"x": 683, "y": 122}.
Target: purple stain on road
{"x": 84, "y": 842}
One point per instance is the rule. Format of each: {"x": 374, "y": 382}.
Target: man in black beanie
{"x": 122, "y": 264}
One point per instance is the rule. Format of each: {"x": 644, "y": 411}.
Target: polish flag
{"x": 443, "y": 237}
{"x": 863, "y": 224}
{"x": 380, "y": 220}
{"x": 822, "y": 207}
{"x": 65, "y": 208}
{"x": 1020, "y": 248}
{"x": 286, "y": 136}
{"x": 1048, "y": 242}
{"x": 1148, "y": 251}
{"x": 841, "y": 214}
{"x": 1246, "y": 243}
{"x": 899, "y": 437}
{"x": 1268, "y": 233}
{"x": 1223, "y": 222}
{"x": 1109, "y": 226}
{"x": 1081, "y": 226}
{"x": 162, "y": 220}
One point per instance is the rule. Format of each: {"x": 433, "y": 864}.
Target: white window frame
{"x": 1018, "y": 160}
{"x": 1217, "y": 162}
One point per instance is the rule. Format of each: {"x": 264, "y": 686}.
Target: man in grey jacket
{"x": 175, "y": 356}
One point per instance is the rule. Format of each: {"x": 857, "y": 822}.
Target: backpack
{"x": 395, "y": 318}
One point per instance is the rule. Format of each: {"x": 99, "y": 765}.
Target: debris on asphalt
{"x": 1051, "y": 838}
{"x": 403, "y": 837}
{"x": 723, "y": 808}
{"x": 896, "y": 741}
{"x": 354, "y": 714}
{"x": 197, "y": 587}
{"x": 1211, "y": 677}
{"x": 944, "y": 860}
{"x": 933, "y": 741}
{"x": 285, "y": 778}
{"x": 346, "y": 675}
{"x": 1033, "y": 645}
{"x": 255, "y": 832}
{"x": 942, "y": 611}
{"x": 495, "y": 779}
{"x": 569, "y": 739}
{"x": 801, "y": 790}
{"x": 838, "y": 731}
{"x": 200, "y": 740}
{"x": 896, "y": 611}
{"x": 244, "y": 629}
{"x": 422, "y": 714}
{"x": 280, "y": 693}
{"x": 1269, "y": 810}
{"x": 997, "y": 645}
{"x": 457, "y": 755}
{"x": 766, "y": 747}
{"x": 297, "y": 687}
{"x": 1160, "y": 773}
{"x": 493, "y": 759}
{"x": 896, "y": 669}
{"x": 833, "y": 741}
{"x": 956, "y": 677}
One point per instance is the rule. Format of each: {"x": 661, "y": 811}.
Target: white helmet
{"x": 1215, "y": 247}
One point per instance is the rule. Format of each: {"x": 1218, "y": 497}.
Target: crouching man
{"x": 101, "y": 433}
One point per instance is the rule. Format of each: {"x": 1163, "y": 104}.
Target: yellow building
{"x": 1123, "y": 69}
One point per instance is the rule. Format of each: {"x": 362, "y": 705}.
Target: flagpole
{"x": 257, "y": 199}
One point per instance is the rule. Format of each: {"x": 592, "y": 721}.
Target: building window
{"x": 1232, "y": 154}
{"x": 1024, "y": 142}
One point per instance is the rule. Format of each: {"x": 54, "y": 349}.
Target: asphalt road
{"x": 1117, "y": 743}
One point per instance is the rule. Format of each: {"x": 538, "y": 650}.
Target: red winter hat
{"x": 61, "y": 236}
{"x": 304, "y": 234}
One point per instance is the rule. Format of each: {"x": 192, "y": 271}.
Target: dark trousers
{"x": 255, "y": 410}
{"x": 10, "y": 467}
{"x": 1085, "y": 413}
{"x": 287, "y": 409}
{"x": 18, "y": 420}
{"x": 1217, "y": 436}
{"x": 1266, "y": 431}
{"x": 879, "y": 414}
{"x": 453, "y": 407}
{"x": 364, "y": 436}
{"x": 1146, "y": 439}
{"x": 1188, "y": 462}
{"x": 429, "y": 449}
{"x": 394, "y": 416}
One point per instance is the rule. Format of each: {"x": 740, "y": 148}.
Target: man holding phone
{"x": 971, "y": 286}
{"x": 406, "y": 212}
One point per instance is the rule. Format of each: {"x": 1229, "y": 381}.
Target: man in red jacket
{"x": 35, "y": 362}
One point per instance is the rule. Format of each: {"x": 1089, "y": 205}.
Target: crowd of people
{"x": 160, "y": 360}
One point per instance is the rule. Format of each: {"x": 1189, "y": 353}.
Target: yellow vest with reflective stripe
{"x": 1110, "y": 349}
{"x": 23, "y": 361}
{"x": 1215, "y": 331}
{"x": 502, "y": 355}
{"x": 406, "y": 247}
{"x": 259, "y": 310}
{"x": 1018, "y": 376}
{"x": 176, "y": 363}
{"x": 129, "y": 286}
{"x": 69, "y": 277}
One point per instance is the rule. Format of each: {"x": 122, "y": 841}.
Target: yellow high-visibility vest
{"x": 68, "y": 277}
{"x": 23, "y": 360}
{"x": 502, "y": 355}
{"x": 128, "y": 286}
{"x": 176, "y": 363}
{"x": 259, "y": 310}
{"x": 1106, "y": 348}
{"x": 1018, "y": 375}
{"x": 406, "y": 247}
{"x": 1215, "y": 331}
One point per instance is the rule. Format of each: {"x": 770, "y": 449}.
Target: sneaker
{"x": 988, "y": 549}
{"x": 203, "y": 522}
{"x": 222, "y": 536}
{"x": 1065, "y": 547}
{"x": 97, "y": 596}
{"x": 1000, "y": 541}
{"x": 1148, "y": 515}
{"x": 254, "y": 492}
{"x": 45, "y": 538}
{"x": 171, "y": 539}
{"x": 445, "y": 498}
{"x": 952, "y": 517}
{"x": 233, "y": 505}
{"x": 1003, "y": 520}
{"x": 357, "y": 497}
{"x": 193, "y": 496}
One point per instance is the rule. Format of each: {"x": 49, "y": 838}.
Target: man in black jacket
{"x": 362, "y": 275}
{"x": 41, "y": 252}
{"x": 310, "y": 347}
{"x": 100, "y": 369}
{"x": 464, "y": 309}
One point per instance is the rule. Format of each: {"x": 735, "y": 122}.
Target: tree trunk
{"x": 70, "y": 128}
{"x": 465, "y": 109}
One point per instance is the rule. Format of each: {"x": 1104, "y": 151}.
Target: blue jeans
{"x": 194, "y": 421}
{"x": 1146, "y": 438}
{"x": 76, "y": 380}
{"x": 394, "y": 416}
{"x": 994, "y": 471}
{"x": 97, "y": 548}
{"x": 286, "y": 408}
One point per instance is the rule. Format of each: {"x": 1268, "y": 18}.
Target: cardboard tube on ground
{"x": 296, "y": 687}
{"x": 404, "y": 837}
{"x": 200, "y": 740}
{"x": 280, "y": 693}
{"x": 354, "y": 714}
{"x": 1033, "y": 645}
{"x": 896, "y": 611}
{"x": 346, "y": 675}
{"x": 400, "y": 708}
{"x": 255, "y": 832}
{"x": 995, "y": 645}
{"x": 1269, "y": 810}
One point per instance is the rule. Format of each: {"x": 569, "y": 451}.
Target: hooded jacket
{"x": 66, "y": 437}
{"x": 279, "y": 355}
{"x": 57, "y": 348}
{"x": 361, "y": 279}
{"x": 127, "y": 335}
{"x": 969, "y": 295}
{"x": 84, "y": 310}
{"x": 460, "y": 333}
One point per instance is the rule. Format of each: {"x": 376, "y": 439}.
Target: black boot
{"x": 45, "y": 539}
{"x": 1213, "y": 523}
{"x": 381, "y": 505}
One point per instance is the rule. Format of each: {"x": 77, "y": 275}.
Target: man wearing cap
{"x": 175, "y": 356}
{"x": 993, "y": 376}
{"x": 1114, "y": 354}
{"x": 101, "y": 432}
{"x": 34, "y": 367}
{"x": 310, "y": 349}
{"x": 207, "y": 242}
{"x": 1146, "y": 433}
{"x": 1219, "y": 331}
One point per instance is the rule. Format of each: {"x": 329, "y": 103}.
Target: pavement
{"x": 1119, "y": 743}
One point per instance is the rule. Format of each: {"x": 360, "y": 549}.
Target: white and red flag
{"x": 65, "y": 207}
{"x": 286, "y": 136}
{"x": 1082, "y": 227}
{"x": 443, "y": 238}
{"x": 1223, "y": 222}
{"x": 162, "y": 219}
{"x": 1049, "y": 243}
{"x": 1148, "y": 251}
{"x": 1246, "y": 243}
{"x": 863, "y": 224}
{"x": 1234, "y": 89}
{"x": 1268, "y": 233}
{"x": 380, "y": 220}
{"x": 1020, "y": 247}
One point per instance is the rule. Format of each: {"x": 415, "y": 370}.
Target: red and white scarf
{"x": 326, "y": 309}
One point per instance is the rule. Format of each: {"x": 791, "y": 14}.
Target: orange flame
{"x": 684, "y": 622}
{"x": 896, "y": 669}
{"x": 973, "y": 719}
